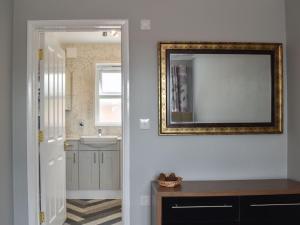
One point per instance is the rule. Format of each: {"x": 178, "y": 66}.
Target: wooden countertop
{"x": 228, "y": 188}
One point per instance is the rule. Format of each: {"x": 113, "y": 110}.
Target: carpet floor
{"x": 94, "y": 212}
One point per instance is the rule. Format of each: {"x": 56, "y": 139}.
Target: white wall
{"x": 5, "y": 113}
{"x": 293, "y": 56}
{"x": 193, "y": 157}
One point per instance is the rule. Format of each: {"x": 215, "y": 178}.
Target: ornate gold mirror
{"x": 220, "y": 88}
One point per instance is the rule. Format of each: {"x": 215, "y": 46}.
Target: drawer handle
{"x": 200, "y": 206}
{"x": 276, "y": 204}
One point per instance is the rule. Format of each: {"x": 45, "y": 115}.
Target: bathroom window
{"x": 108, "y": 106}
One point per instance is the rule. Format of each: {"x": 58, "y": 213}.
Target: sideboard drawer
{"x": 200, "y": 210}
{"x": 278, "y": 209}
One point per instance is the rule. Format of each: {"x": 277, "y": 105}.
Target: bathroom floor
{"x": 94, "y": 212}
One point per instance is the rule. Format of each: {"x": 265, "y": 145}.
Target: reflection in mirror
{"x": 220, "y": 88}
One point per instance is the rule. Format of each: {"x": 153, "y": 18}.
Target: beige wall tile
{"x": 82, "y": 70}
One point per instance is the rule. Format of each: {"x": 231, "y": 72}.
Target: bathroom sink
{"x": 94, "y": 140}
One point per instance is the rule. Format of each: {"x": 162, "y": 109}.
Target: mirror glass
{"x": 220, "y": 88}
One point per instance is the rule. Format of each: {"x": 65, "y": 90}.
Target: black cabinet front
{"x": 203, "y": 223}
{"x": 200, "y": 210}
{"x": 275, "y": 209}
{"x": 248, "y": 210}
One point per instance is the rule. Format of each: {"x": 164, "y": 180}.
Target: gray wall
{"x": 293, "y": 56}
{"x": 193, "y": 157}
{"x": 5, "y": 113}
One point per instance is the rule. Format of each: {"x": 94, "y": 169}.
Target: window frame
{"x": 100, "y": 68}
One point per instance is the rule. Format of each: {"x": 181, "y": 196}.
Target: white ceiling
{"x": 88, "y": 37}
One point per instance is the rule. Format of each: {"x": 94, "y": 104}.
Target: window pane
{"x": 110, "y": 110}
{"x": 111, "y": 82}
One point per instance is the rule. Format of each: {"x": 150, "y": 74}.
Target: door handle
{"x": 102, "y": 158}
{"x": 74, "y": 159}
{"x": 200, "y": 206}
{"x": 275, "y": 204}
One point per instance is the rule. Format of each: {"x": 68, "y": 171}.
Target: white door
{"x": 52, "y": 120}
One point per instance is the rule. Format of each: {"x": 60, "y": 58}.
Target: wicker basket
{"x": 170, "y": 184}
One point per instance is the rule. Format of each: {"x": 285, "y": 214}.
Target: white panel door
{"x": 52, "y": 120}
{"x": 88, "y": 170}
{"x": 110, "y": 170}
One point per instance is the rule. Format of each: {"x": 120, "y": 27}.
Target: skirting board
{"x": 94, "y": 194}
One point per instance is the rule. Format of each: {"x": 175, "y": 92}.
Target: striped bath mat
{"x": 94, "y": 212}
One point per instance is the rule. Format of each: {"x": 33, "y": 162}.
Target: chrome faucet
{"x": 100, "y": 132}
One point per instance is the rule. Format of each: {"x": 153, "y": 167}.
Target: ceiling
{"x": 112, "y": 36}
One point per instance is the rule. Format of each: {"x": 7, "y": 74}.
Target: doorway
{"x": 95, "y": 164}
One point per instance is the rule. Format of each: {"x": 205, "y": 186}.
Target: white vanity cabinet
{"x": 91, "y": 168}
{"x": 110, "y": 170}
{"x": 72, "y": 170}
{"x": 71, "y": 148}
{"x": 88, "y": 170}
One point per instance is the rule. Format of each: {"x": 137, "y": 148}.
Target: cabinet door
{"x": 72, "y": 170}
{"x": 88, "y": 170}
{"x": 270, "y": 209}
{"x": 200, "y": 210}
{"x": 109, "y": 170}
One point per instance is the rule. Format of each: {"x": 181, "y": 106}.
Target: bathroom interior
{"x": 93, "y": 125}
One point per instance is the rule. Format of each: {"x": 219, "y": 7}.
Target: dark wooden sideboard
{"x": 245, "y": 202}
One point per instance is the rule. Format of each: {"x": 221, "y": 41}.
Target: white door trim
{"x": 33, "y": 29}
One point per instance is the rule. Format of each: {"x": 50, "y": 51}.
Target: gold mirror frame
{"x": 277, "y": 95}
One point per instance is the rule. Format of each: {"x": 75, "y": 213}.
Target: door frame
{"x": 33, "y": 29}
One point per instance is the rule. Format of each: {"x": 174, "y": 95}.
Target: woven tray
{"x": 170, "y": 184}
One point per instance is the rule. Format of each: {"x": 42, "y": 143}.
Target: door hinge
{"x": 41, "y": 136}
{"x": 41, "y": 54}
{"x": 42, "y": 217}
